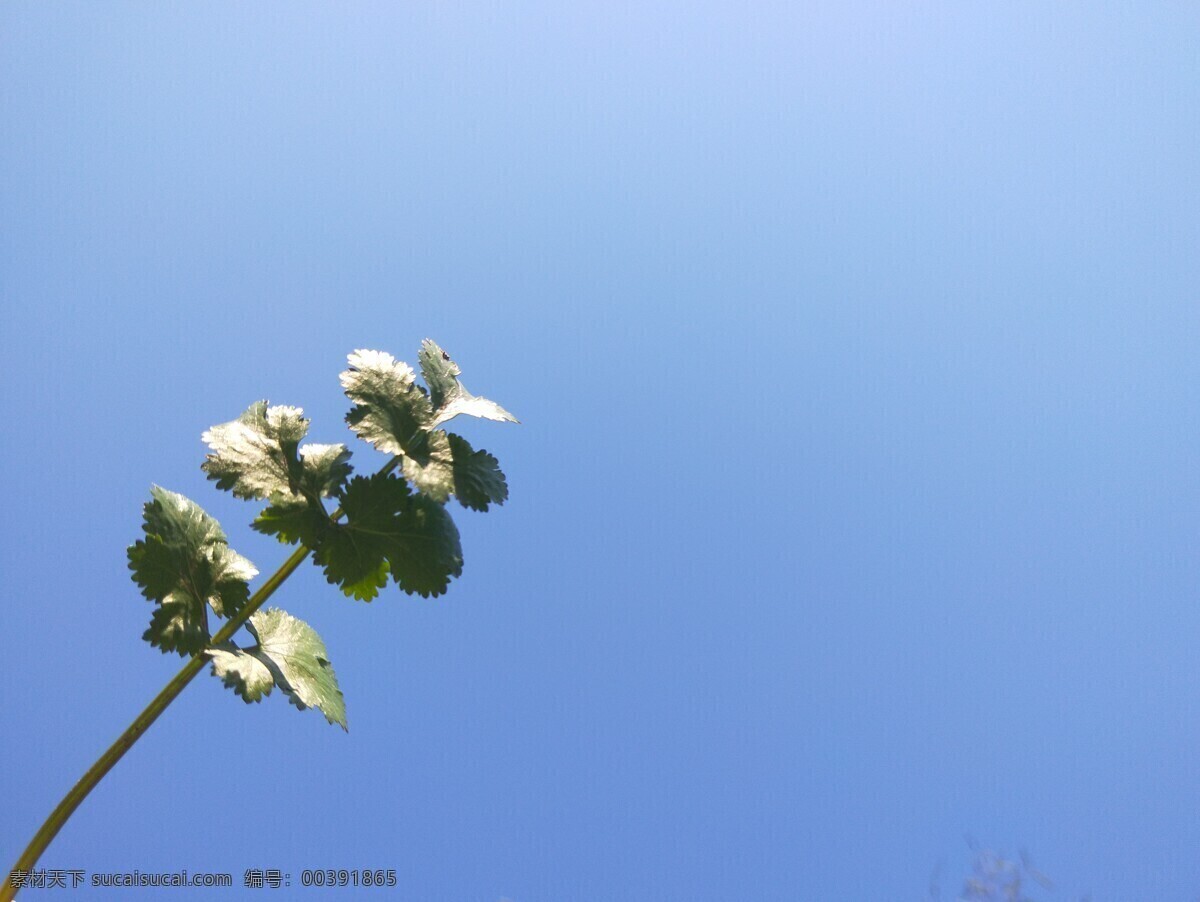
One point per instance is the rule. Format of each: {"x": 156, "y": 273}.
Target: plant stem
{"x": 141, "y": 723}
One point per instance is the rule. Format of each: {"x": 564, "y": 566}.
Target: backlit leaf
{"x": 391, "y": 411}
{"x": 290, "y": 655}
{"x": 255, "y": 455}
{"x": 390, "y": 530}
{"x": 448, "y": 465}
{"x": 449, "y": 396}
{"x": 185, "y": 563}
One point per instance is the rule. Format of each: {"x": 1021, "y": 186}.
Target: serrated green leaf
{"x": 326, "y": 468}
{"x": 450, "y": 397}
{"x": 230, "y": 574}
{"x": 297, "y": 659}
{"x": 353, "y": 562}
{"x": 388, "y": 529}
{"x": 448, "y": 465}
{"x": 391, "y": 411}
{"x": 184, "y": 563}
{"x": 258, "y": 455}
{"x": 354, "y": 553}
{"x": 177, "y": 625}
{"x": 478, "y": 480}
{"x": 241, "y": 671}
{"x": 426, "y": 552}
{"x": 290, "y": 655}
{"x": 429, "y": 465}
{"x": 255, "y": 456}
{"x": 293, "y": 520}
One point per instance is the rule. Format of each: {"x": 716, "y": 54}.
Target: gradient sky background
{"x": 855, "y": 504}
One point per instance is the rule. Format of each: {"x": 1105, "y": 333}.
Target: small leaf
{"x": 326, "y": 468}
{"x": 425, "y": 551}
{"x": 391, "y": 411}
{"x": 290, "y": 655}
{"x": 184, "y": 563}
{"x": 354, "y": 554}
{"x": 297, "y": 659}
{"x": 177, "y": 625}
{"x": 429, "y": 465}
{"x": 258, "y": 455}
{"x": 353, "y": 562}
{"x": 449, "y": 396}
{"x": 478, "y": 480}
{"x": 293, "y": 520}
{"x": 241, "y": 671}
{"x": 388, "y": 529}
{"x": 448, "y": 465}
{"x": 255, "y": 455}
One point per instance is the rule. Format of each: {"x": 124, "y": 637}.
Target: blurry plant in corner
{"x": 392, "y": 524}
{"x": 995, "y": 878}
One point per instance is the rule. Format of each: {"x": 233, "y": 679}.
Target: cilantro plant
{"x": 360, "y": 530}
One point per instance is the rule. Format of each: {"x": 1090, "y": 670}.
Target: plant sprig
{"x": 390, "y": 525}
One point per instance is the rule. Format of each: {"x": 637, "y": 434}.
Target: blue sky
{"x": 854, "y": 505}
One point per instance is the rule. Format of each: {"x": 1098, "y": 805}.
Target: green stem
{"x": 141, "y": 723}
